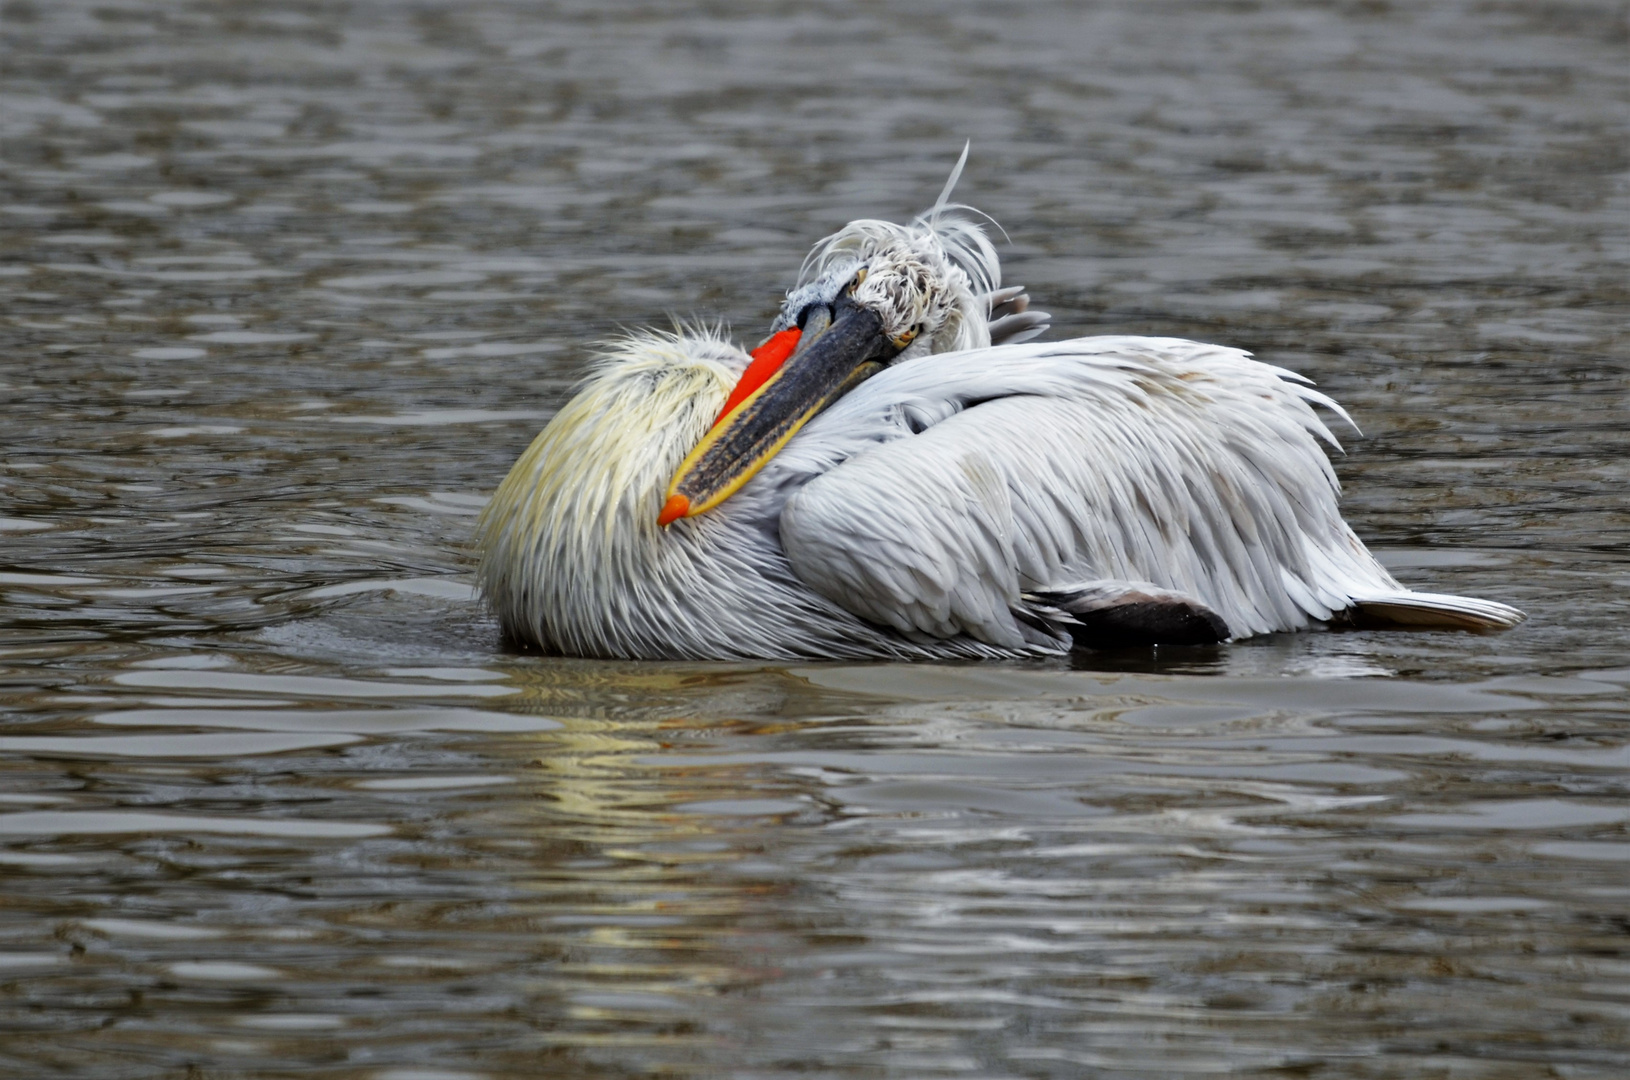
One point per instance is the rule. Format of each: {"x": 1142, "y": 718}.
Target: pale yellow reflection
{"x": 638, "y": 886}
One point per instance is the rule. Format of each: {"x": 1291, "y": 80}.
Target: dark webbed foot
{"x": 1127, "y": 614}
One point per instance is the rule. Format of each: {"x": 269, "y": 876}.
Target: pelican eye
{"x": 906, "y": 338}
{"x": 860, "y": 276}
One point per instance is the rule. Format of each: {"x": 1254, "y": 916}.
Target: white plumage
{"x": 966, "y": 501}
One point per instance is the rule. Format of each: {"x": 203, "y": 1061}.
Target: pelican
{"x": 901, "y": 471}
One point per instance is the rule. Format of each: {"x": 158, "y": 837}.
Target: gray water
{"x": 287, "y": 286}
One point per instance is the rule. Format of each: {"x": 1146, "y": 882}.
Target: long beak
{"x": 840, "y": 348}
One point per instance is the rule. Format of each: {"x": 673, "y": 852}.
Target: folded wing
{"x": 948, "y": 487}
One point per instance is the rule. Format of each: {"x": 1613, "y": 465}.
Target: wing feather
{"x": 936, "y": 494}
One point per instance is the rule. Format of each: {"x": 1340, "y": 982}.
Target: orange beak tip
{"x": 675, "y": 508}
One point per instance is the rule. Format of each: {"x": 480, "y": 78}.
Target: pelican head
{"x": 870, "y": 295}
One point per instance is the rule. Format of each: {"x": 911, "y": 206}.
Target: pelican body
{"x": 902, "y": 472}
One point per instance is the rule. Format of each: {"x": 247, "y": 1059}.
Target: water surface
{"x": 288, "y": 286}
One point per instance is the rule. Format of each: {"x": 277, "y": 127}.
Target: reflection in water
{"x": 697, "y": 866}
{"x": 287, "y": 288}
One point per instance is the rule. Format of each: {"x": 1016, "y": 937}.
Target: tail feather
{"x": 1405, "y": 608}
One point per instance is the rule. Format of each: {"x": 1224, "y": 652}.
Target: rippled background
{"x": 287, "y": 286}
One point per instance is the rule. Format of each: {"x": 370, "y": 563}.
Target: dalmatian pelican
{"x": 900, "y": 471}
